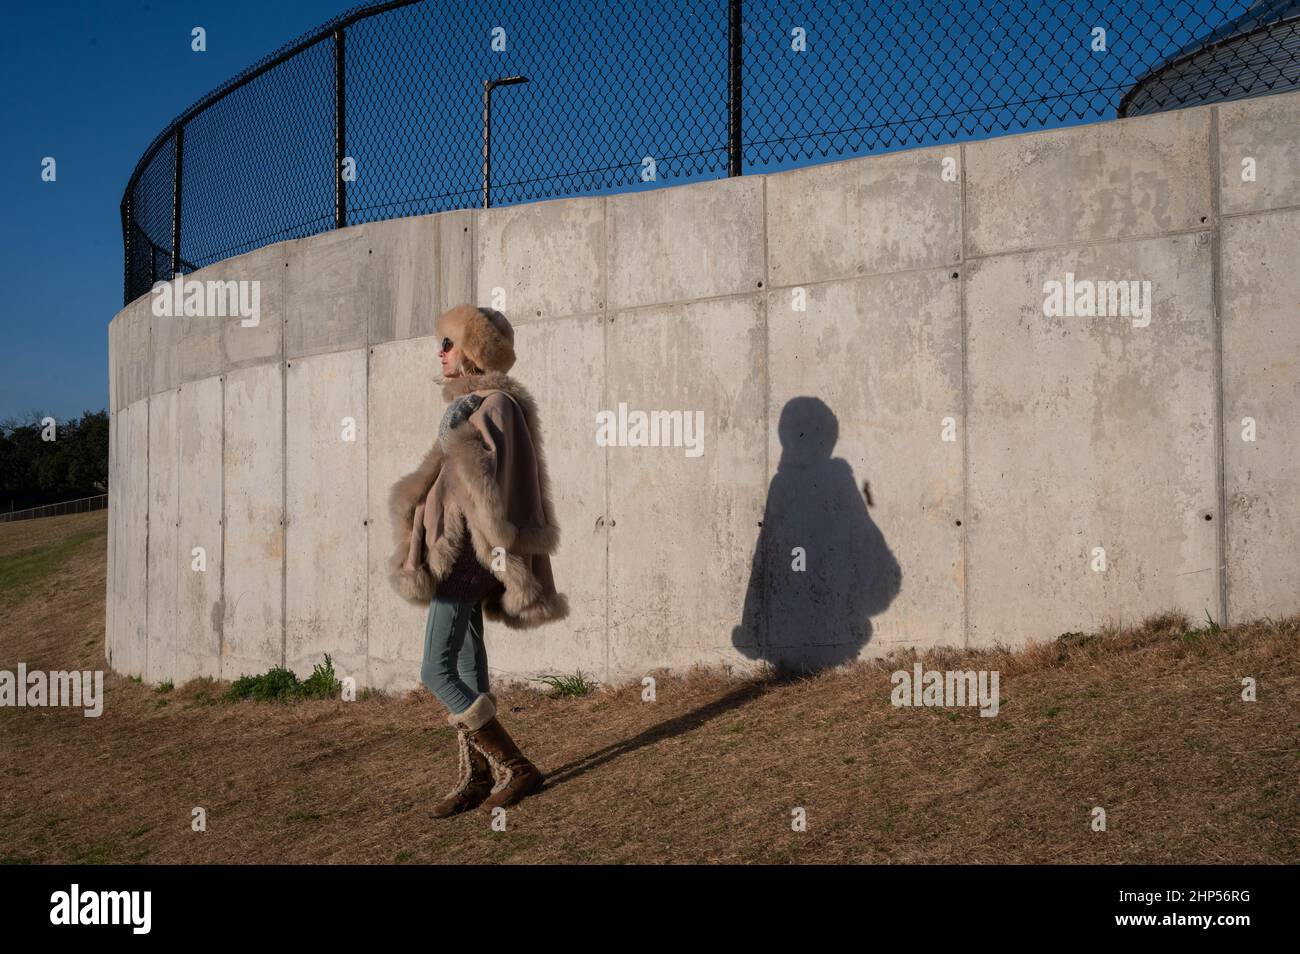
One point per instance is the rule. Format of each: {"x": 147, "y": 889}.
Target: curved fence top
{"x": 395, "y": 109}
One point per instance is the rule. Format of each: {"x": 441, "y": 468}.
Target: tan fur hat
{"x": 484, "y": 335}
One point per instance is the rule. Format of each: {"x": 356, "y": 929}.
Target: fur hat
{"x": 484, "y": 335}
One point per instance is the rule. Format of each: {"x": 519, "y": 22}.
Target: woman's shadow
{"x": 798, "y": 619}
{"x": 821, "y": 568}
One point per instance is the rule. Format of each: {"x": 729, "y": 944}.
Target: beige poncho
{"x": 488, "y": 466}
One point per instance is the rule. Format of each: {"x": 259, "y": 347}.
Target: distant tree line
{"x": 36, "y": 471}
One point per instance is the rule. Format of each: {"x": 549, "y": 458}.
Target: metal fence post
{"x": 177, "y": 164}
{"x": 487, "y": 139}
{"x": 340, "y": 135}
{"x": 128, "y": 248}
{"x": 735, "y": 156}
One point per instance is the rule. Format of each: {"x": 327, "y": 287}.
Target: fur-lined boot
{"x": 474, "y": 782}
{"x": 517, "y": 777}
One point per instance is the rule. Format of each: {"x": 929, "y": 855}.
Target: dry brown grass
{"x": 1143, "y": 722}
{"x": 21, "y": 534}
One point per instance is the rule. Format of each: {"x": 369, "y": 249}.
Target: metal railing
{"x": 81, "y": 505}
{"x": 377, "y": 114}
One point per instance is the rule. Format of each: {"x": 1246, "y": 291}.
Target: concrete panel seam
{"x": 148, "y": 530}
{"x": 1092, "y": 243}
{"x": 284, "y": 472}
{"x": 366, "y": 497}
{"x": 965, "y": 412}
{"x": 767, "y": 283}
{"x": 148, "y": 469}
{"x": 884, "y": 273}
{"x": 604, "y": 400}
{"x": 439, "y": 298}
{"x": 178, "y": 450}
{"x": 1252, "y": 212}
{"x": 1216, "y": 301}
{"x": 702, "y": 299}
{"x": 767, "y": 420}
{"x": 221, "y": 522}
{"x": 307, "y": 353}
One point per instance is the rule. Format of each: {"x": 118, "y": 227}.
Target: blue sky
{"x": 92, "y": 83}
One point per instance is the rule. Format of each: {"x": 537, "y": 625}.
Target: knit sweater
{"x": 458, "y": 411}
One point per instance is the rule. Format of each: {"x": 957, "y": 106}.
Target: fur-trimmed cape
{"x": 492, "y": 470}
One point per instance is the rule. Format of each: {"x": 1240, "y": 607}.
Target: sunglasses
{"x": 446, "y": 346}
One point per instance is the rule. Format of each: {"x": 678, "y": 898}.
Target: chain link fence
{"x": 83, "y": 505}
{"x": 381, "y": 112}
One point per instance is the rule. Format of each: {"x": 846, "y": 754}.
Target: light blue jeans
{"x": 455, "y": 659}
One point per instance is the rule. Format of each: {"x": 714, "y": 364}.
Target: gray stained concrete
{"x": 865, "y": 330}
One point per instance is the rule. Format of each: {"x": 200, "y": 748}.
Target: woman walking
{"x": 474, "y": 529}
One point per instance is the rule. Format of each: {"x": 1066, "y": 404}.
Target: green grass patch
{"x": 579, "y": 684}
{"x": 202, "y": 691}
{"x": 1210, "y": 629}
{"x": 282, "y": 685}
{"x": 102, "y": 853}
{"x": 23, "y": 571}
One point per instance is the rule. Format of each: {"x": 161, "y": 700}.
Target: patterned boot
{"x": 473, "y": 784}
{"x": 516, "y": 776}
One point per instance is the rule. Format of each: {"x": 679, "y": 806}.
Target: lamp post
{"x": 488, "y": 86}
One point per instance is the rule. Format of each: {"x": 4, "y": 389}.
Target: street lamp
{"x": 488, "y": 86}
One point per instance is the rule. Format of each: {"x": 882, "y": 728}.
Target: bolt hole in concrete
{"x": 954, "y": 274}
{"x": 1209, "y": 516}
{"x": 959, "y": 523}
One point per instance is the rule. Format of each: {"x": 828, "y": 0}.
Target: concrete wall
{"x": 866, "y": 330}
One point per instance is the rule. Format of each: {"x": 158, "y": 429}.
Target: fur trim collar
{"x": 453, "y": 388}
